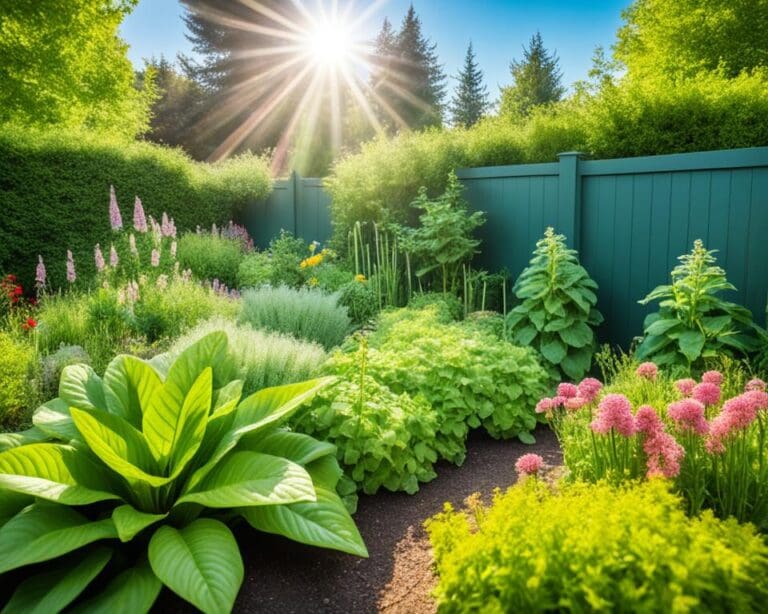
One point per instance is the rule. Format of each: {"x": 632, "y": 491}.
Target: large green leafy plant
{"x": 443, "y": 243}
{"x": 137, "y": 474}
{"x": 693, "y": 323}
{"x": 382, "y": 439}
{"x": 557, "y": 313}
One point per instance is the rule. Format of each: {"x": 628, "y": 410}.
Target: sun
{"x": 329, "y": 43}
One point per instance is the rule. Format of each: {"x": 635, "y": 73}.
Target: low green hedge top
{"x": 54, "y": 193}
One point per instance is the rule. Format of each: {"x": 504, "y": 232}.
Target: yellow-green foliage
{"x": 595, "y": 548}
{"x": 16, "y": 358}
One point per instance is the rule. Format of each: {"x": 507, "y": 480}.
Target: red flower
{"x": 29, "y": 324}
{"x": 10, "y": 277}
{"x": 18, "y": 290}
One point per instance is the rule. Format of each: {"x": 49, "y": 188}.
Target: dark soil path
{"x": 283, "y": 577}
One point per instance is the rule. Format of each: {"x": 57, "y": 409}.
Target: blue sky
{"x": 498, "y": 29}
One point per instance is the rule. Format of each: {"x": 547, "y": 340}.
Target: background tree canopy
{"x": 63, "y": 63}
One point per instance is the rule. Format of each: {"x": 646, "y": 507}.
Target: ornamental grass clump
{"x": 693, "y": 322}
{"x": 708, "y": 438}
{"x": 594, "y": 547}
{"x": 126, "y": 483}
{"x": 557, "y": 313}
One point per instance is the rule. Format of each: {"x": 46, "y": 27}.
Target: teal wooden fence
{"x": 629, "y": 218}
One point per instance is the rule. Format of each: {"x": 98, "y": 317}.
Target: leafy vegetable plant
{"x": 382, "y": 439}
{"x": 127, "y": 480}
{"x": 693, "y": 323}
{"x": 557, "y": 313}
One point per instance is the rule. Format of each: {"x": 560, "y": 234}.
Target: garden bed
{"x": 287, "y": 577}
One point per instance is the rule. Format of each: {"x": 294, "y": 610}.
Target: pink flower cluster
{"x": 737, "y": 414}
{"x": 115, "y": 219}
{"x": 663, "y": 453}
{"x": 648, "y": 370}
{"x": 529, "y": 464}
{"x": 570, "y": 396}
{"x": 71, "y": 274}
{"x": 707, "y": 392}
{"x": 139, "y": 219}
{"x": 755, "y": 385}
{"x": 688, "y": 416}
{"x": 40, "y": 274}
{"x": 614, "y": 412}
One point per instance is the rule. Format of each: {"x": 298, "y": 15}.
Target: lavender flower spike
{"x": 115, "y": 219}
{"x": 40, "y": 274}
{"x": 139, "y": 219}
{"x": 71, "y": 275}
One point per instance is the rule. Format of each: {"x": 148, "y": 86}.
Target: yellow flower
{"x": 360, "y": 277}
{"x": 312, "y": 261}
{"x": 312, "y": 282}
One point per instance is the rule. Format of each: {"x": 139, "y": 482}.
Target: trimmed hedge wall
{"x": 54, "y": 194}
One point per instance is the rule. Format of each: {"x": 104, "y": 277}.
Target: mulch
{"x": 283, "y": 577}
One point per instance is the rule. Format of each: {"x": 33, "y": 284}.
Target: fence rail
{"x": 629, "y": 218}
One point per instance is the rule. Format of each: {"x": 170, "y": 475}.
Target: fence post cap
{"x": 578, "y": 154}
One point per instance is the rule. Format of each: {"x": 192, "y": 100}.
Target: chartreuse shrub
{"x": 305, "y": 313}
{"x": 557, "y": 313}
{"x": 262, "y": 359}
{"x": 470, "y": 378}
{"x": 585, "y": 548}
{"x": 55, "y": 193}
{"x": 694, "y": 323}
{"x": 382, "y": 439}
{"x": 17, "y": 359}
{"x": 143, "y": 468}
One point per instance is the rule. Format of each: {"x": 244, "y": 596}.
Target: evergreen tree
{"x": 470, "y": 100}
{"x": 537, "y": 80}
{"x": 383, "y": 76}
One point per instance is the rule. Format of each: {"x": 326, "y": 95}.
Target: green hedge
{"x": 54, "y": 193}
{"x": 649, "y": 117}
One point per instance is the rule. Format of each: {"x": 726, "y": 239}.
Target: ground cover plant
{"x": 305, "y": 313}
{"x": 470, "y": 378}
{"x": 706, "y": 437}
{"x": 594, "y": 548}
{"x": 211, "y": 256}
{"x": 150, "y": 462}
{"x": 558, "y": 311}
{"x": 383, "y": 439}
{"x": 693, "y": 322}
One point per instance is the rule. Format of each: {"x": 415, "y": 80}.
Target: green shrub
{"x": 262, "y": 359}
{"x": 360, "y": 300}
{"x": 595, "y": 548}
{"x": 469, "y": 378}
{"x": 557, "y": 313}
{"x": 331, "y": 277}
{"x": 304, "y": 313}
{"x": 449, "y": 308}
{"x": 210, "y": 257}
{"x": 16, "y": 365}
{"x": 55, "y": 193}
{"x": 693, "y": 323}
{"x": 255, "y": 270}
{"x": 286, "y": 254}
{"x": 486, "y": 322}
{"x": 382, "y": 439}
{"x": 161, "y": 457}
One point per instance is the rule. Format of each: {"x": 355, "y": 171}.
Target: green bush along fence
{"x": 629, "y": 218}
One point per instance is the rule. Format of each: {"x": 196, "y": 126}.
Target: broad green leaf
{"x": 296, "y": 447}
{"x": 324, "y": 523}
{"x": 210, "y": 351}
{"x": 558, "y": 324}
{"x": 583, "y": 298}
{"x": 11, "y": 503}
{"x": 44, "y": 531}
{"x": 132, "y": 592}
{"x": 201, "y": 563}
{"x": 713, "y": 326}
{"x": 262, "y": 409}
{"x": 325, "y": 472}
{"x": 523, "y": 336}
{"x": 55, "y": 472}
{"x": 52, "y": 591}
{"x": 119, "y": 445}
{"x": 23, "y": 438}
{"x": 227, "y": 398}
{"x": 80, "y": 387}
{"x": 251, "y": 478}
{"x": 553, "y": 350}
{"x": 578, "y": 335}
{"x": 526, "y": 438}
{"x": 129, "y": 521}
{"x": 129, "y": 385}
{"x": 691, "y": 343}
{"x": 661, "y": 326}
{"x": 651, "y": 345}
{"x": 54, "y": 419}
{"x": 174, "y": 423}
{"x": 576, "y": 364}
